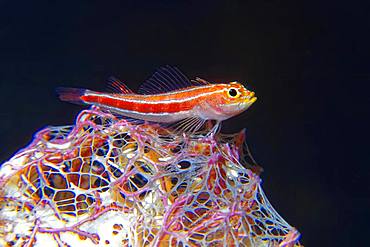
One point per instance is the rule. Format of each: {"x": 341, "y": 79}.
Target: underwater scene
{"x": 184, "y": 123}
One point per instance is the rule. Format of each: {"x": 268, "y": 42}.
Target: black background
{"x": 307, "y": 61}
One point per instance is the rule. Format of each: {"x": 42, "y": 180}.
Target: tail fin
{"x": 72, "y": 95}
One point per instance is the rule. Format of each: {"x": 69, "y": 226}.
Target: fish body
{"x": 197, "y": 100}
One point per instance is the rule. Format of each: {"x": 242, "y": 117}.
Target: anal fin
{"x": 188, "y": 125}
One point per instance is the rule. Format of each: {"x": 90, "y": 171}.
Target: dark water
{"x": 307, "y": 61}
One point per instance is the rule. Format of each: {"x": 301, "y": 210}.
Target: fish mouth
{"x": 250, "y": 99}
{"x": 247, "y": 102}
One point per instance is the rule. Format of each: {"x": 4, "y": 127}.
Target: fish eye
{"x": 233, "y": 92}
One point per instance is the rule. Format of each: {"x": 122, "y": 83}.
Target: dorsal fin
{"x": 118, "y": 86}
{"x": 200, "y": 81}
{"x": 166, "y": 79}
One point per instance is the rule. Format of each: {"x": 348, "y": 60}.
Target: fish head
{"x": 235, "y": 99}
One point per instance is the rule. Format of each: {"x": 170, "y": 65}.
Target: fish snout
{"x": 249, "y": 97}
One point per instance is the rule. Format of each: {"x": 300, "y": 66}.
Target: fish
{"x": 168, "y": 96}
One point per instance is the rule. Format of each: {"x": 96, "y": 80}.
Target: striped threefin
{"x": 169, "y": 97}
